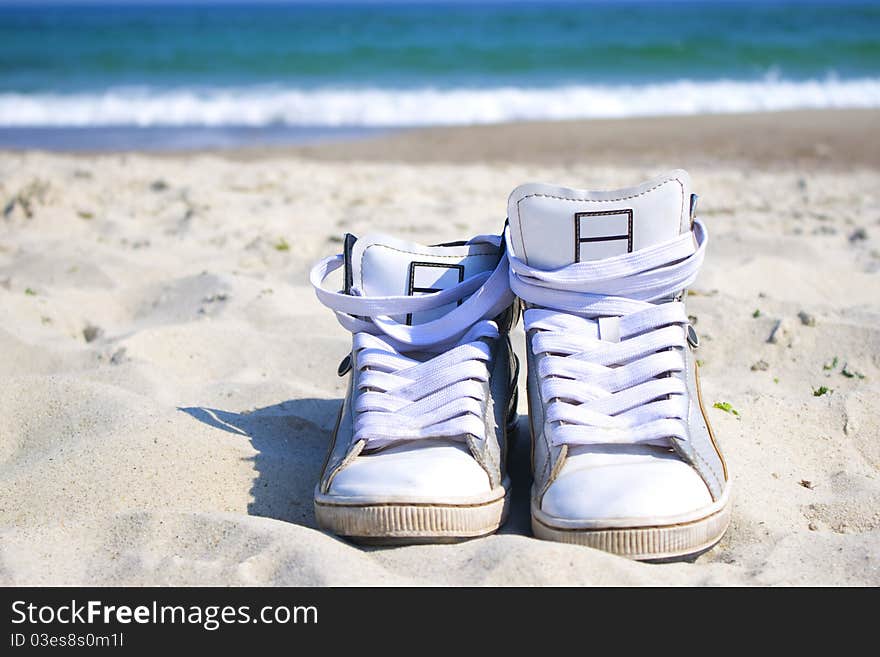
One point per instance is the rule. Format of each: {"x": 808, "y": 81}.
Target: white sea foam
{"x": 377, "y": 107}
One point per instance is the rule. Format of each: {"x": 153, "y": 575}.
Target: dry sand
{"x": 168, "y": 381}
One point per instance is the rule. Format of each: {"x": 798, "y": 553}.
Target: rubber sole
{"x": 399, "y": 522}
{"x": 660, "y": 542}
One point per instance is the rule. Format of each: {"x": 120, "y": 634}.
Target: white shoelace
{"x": 439, "y": 389}
{"x": 604, "y": 391}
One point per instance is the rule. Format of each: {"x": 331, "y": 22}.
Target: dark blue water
{"x": 342, "y": 66}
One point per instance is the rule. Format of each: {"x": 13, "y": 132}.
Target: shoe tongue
{"x": 551, "y": 227}
{"x": 379, "y": 265}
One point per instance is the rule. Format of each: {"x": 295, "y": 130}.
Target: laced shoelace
{"x": 601, "y": 391}
{"x": 427, "y": 380}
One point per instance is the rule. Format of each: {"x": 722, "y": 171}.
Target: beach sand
{"x": 168, "y": 380}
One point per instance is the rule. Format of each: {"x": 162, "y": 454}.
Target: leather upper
{"x": 552, "y": 227}
{"x": 424, "y": 469}
{"x": 592, "y": 483}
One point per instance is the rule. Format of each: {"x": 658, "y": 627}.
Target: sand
{"x": 168, "y": 380}
{"x": 839, "y": 139}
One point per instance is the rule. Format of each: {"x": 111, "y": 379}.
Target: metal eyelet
{"x": 345, "y": 366}
{"x": 692, "y": 337}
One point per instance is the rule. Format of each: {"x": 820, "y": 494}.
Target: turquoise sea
{"x": 139, "y": 75}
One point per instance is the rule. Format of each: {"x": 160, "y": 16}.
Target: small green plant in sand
{"x": 757, "y": 313}
{"x": 31, "y": 292}
{"x": 831, "y": 365}
{"x": 726, "y": 407}
{"x": 282, "y": 245}
{"x": 821, "y": 390}
{"x": 851, "y": 374}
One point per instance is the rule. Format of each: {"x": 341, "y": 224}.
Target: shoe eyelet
{"x": 692, "y": 337}
{"x": 345, "y": 366}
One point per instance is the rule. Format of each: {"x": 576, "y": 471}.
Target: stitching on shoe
{"x": 689, "y": 366}
{"x": 712, "y": 472}
{"x": 419, "y": 253}
{"x": 353, "y": 452}
{"x": 589, "y": 200}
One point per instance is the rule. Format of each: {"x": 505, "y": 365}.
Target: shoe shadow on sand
{"x": 519, "y": 470}
{"x": 291, "y": 444}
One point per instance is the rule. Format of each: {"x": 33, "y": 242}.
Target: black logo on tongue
{"x": 424, "y": 279}
{"x": 595, "y": 232}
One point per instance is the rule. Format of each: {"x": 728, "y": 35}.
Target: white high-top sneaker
{"x": 623, "y": 456}
{"x": 419, "y": 447}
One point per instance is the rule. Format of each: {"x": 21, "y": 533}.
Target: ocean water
{"x": 129, "y": 75}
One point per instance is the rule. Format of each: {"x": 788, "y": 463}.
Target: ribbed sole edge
{"x": 663, "y": 542}
{"x": 396, "y": 523}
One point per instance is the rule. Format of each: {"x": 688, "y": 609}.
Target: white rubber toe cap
{"x": 639, "y": 483}
{"x": 436, "y": 472}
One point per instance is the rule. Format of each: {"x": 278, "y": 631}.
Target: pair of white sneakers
{"x": 623, "y": 458}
